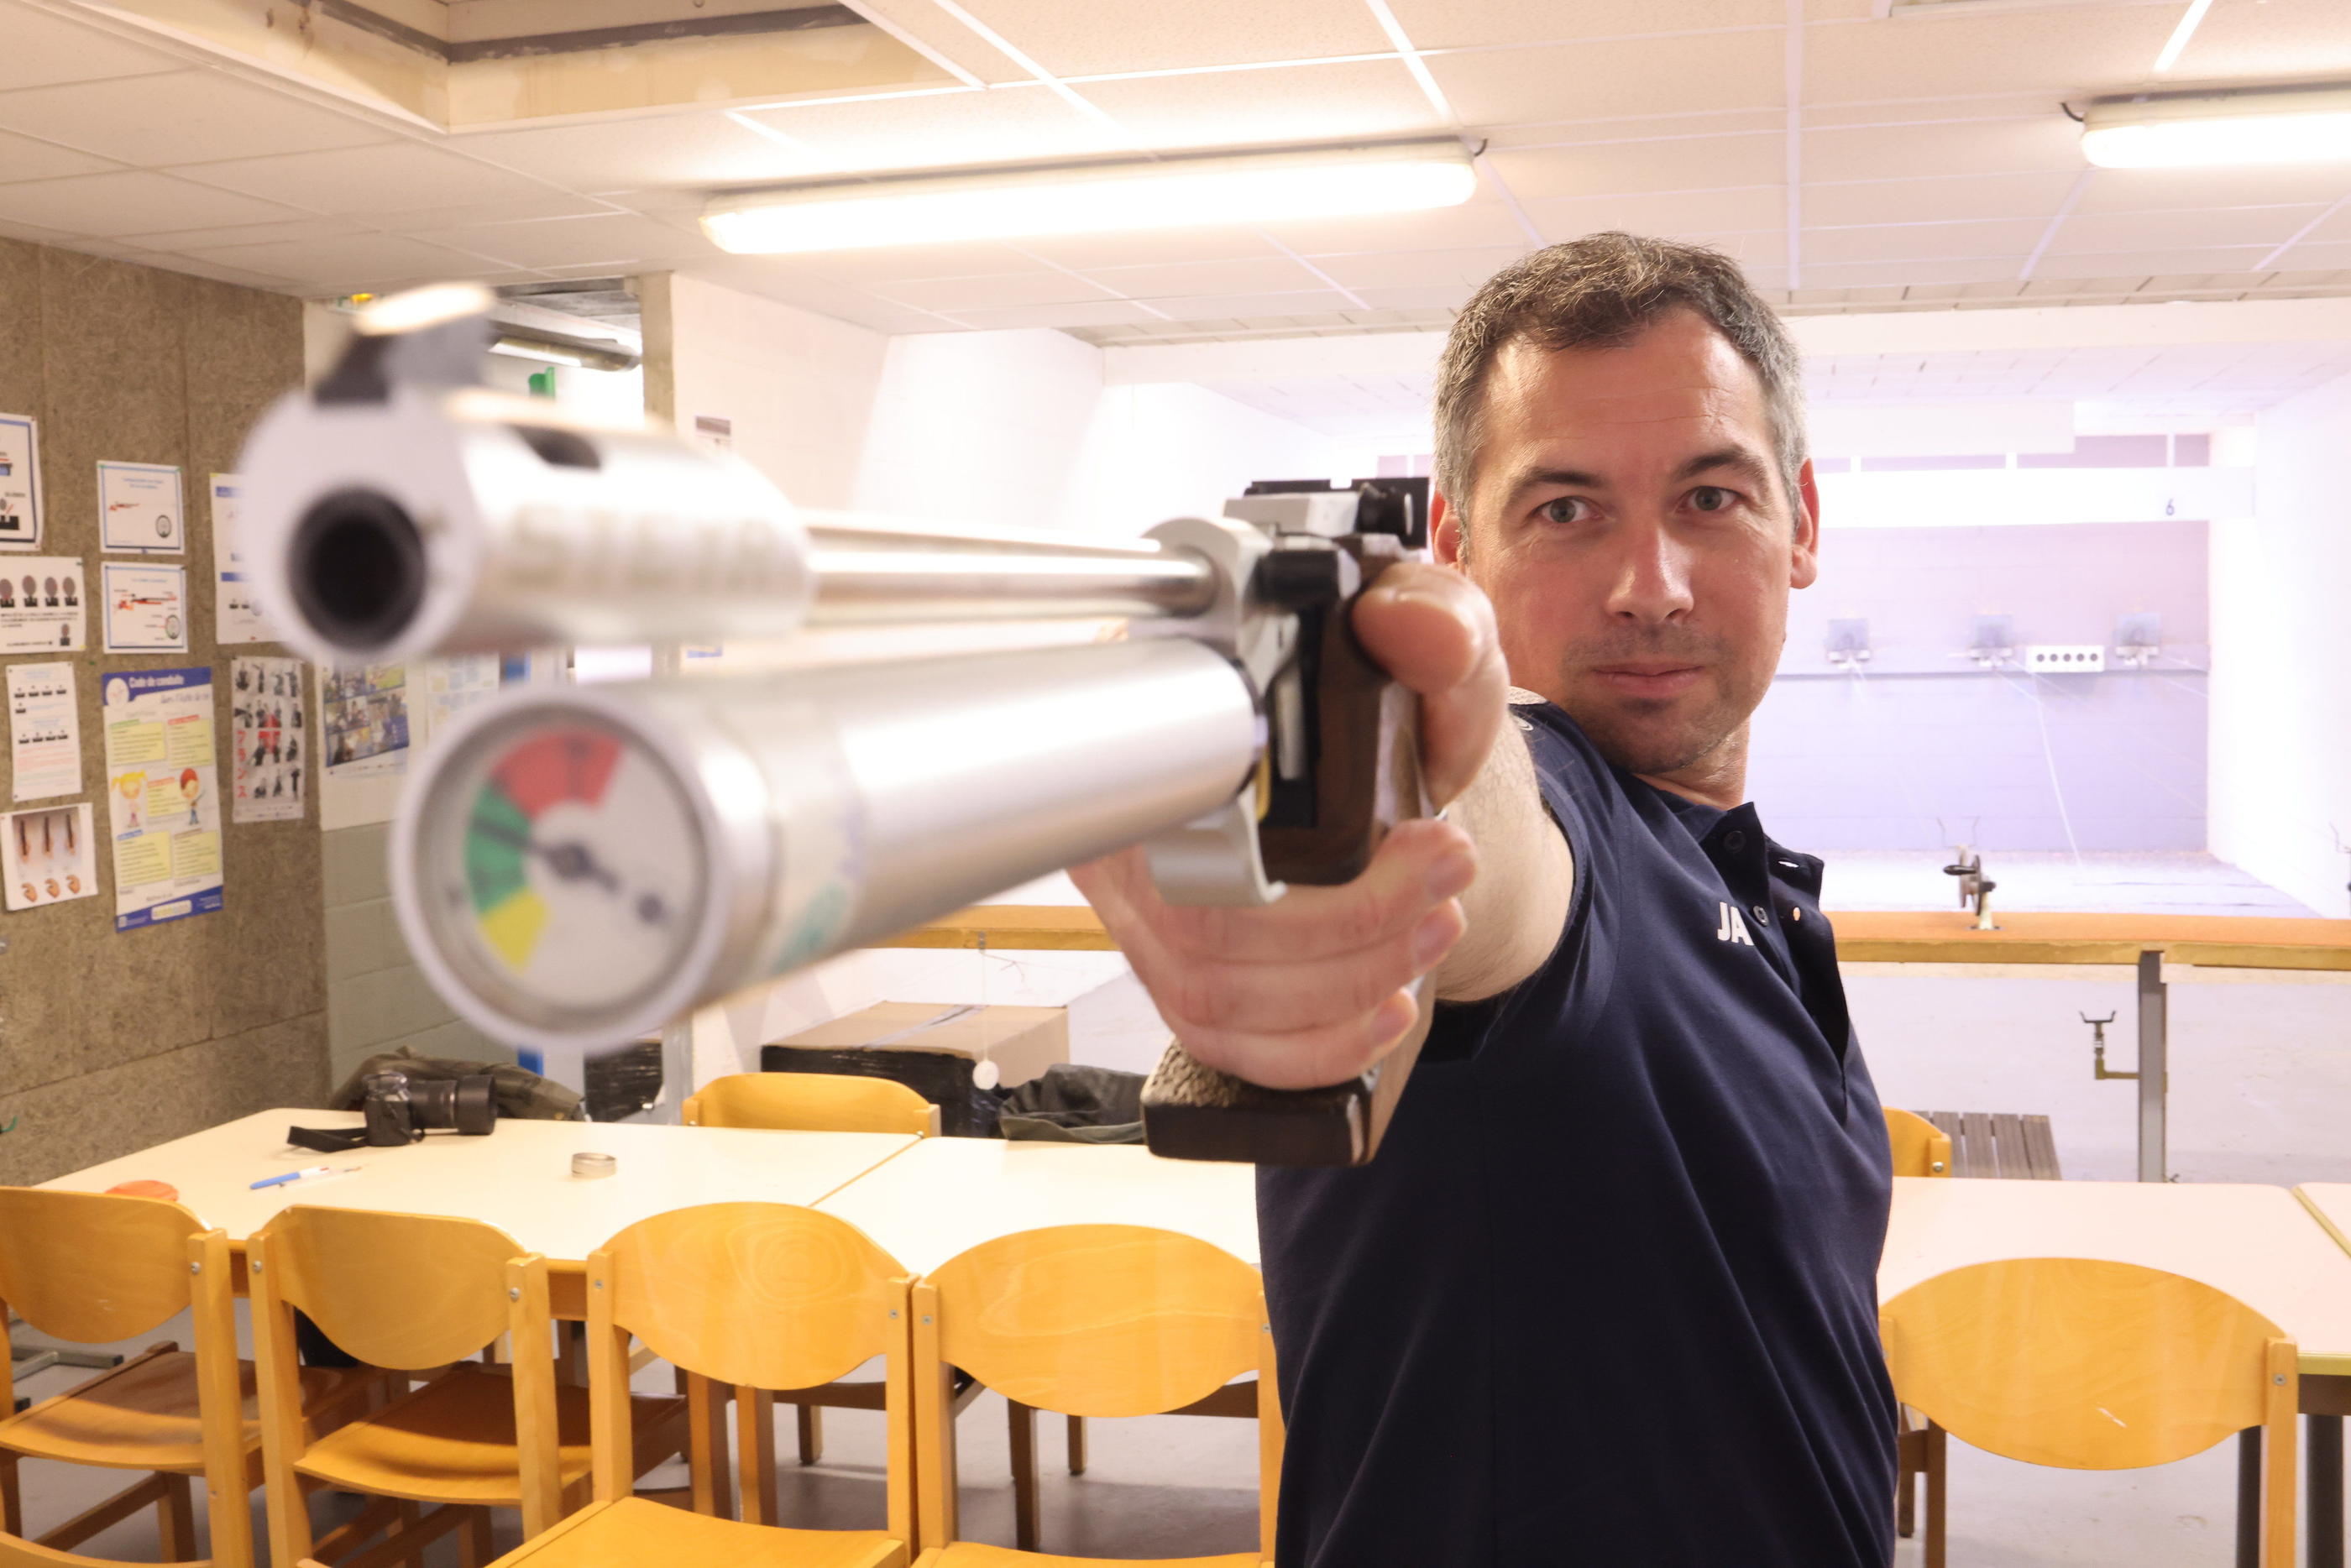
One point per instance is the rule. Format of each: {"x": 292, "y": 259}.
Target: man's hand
{"x": 1310, "y": 989}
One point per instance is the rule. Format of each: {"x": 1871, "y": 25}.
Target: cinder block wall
{"x": 112, "y": 1043}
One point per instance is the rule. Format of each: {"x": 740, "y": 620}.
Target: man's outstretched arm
{"x": 1310, "y": 989}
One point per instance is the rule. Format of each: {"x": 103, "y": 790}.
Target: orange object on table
{"x": 144, "y": 1189}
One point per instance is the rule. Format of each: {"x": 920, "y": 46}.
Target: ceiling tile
{"x": 45, "y": 49}
{"x": 2328, "y": 255}
{"x": 245, "y": 233}
{"x": 348, "y": 262}
{"x": 1470, "y": 225}
{"x": 402, "y": 175}
{"x": 953, "y": 294}
{"x": 620, "y": 239}
{"x": 1973, "y": 196}
{"x": 1960, "y": 113}
{"x": 983, "y": 259}
{"x": 1295, "y": 103}
{"x": 1072, "y": 313}
{"x": 1970, "y": 270}
{"x": 22, "y": 158}
{"x": 1683, "y": 164}
{"x": 695, "y": 150}
{"x": 1420, "y": 269}
{"x": 1146, "y": 247}
{"x": 1074, "y": 40}
{"x": 939, "y": 130}
{"x": 2069, "y": 50}
{"x": 1429, "y": 296}
{"x": 1217, "y": 307}
{"x": 1633, "y": 76}
{"x": 2160, "y": 190}
{"x": 1455, "y": 23}
{"x": 1570, "y": 132}
{"x": 2273, "y": 40}
{"x": 185, "y": 117}
{"x": 1267, "y": 275}
{"x": 242, "y": 276}
{"x": 514, "y": 210}
{"x": 1894, "y": 241}
{"x": 134, "y": 201}
{"x": 1707, "y": 211}
{"x": 2335, "y": 225}
{"x": 2115, "y": 232}
{"x": 2140, "y": 264}
{"x": 2045, "y": 144}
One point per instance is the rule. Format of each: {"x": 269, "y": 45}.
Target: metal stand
{"x": 2154, "y": 1042}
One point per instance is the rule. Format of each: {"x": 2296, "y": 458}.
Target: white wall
{"x": 2281, "y": 739}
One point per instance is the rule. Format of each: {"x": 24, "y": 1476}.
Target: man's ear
{"x": 1804, "y": 560}
{"x": 1446, "y": 540}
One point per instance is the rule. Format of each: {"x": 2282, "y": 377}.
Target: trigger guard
{"x": 1213, "y": 861}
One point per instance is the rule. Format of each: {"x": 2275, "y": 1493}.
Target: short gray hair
{"x": 1601, "y": 292}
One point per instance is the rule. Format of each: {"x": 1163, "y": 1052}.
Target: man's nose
{"x": 1652, "y": 582}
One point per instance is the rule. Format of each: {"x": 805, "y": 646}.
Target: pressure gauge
{"x": 560, "y": 870}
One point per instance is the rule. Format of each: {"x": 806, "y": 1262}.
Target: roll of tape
{"x": 592, "y": 1166}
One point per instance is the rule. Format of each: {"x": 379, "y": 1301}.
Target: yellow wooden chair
{"x": 810, "y": 1102}
{"x": 419, "y": 1294}
{"x": 761, "y": 1296}
{"x": 94, "y": 1267}
{"x": 1088, "y": 1320}
{"x": 2093, "y": 1366}
{"x": 1920, "y": 1148}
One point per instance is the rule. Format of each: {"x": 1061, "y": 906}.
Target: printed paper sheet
{"x": 162, "y": 795}
{"x": 269, "y": 734}
{"x": 44, "y": 731}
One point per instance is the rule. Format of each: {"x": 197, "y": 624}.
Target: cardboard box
{"x": 1021, "y": 1041}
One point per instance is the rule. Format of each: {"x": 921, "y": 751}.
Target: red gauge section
{"x": 556, "y": 766}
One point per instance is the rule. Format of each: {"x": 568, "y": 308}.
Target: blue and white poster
{"x": 162, "y": 795}
{"x": 20, "y": 483}
{"x": 139, "y": 509}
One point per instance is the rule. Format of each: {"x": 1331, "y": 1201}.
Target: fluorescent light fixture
{"x": 555, "y": 348}
{"x": 1092, "y": 197}
{"x": 2219, "y": 127}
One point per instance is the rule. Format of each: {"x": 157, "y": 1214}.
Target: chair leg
{"x": 175, "y": 1519}
{"x": 473, "y": 1545}
{"x": 714, "y": 1492}
{"x": 2249, "y": 1498}
{"x": 1077, "y": 1445}
{"x": 1935, "y": 1496}
{"x": 754, "y": 1454}
{"x": 811, "y": 1425}
{"x": 1022, "y": 1421}
{"x": 12, "y": 1497}
{"x": 1906, "y": 1505}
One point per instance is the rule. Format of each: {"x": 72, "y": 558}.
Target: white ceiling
{"x": 1917, "y": 163}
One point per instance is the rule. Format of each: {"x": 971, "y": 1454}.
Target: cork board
{"x": 111, "y": 1041}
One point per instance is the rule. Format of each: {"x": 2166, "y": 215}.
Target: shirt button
{"x": 1734, "y": 841}
{"x": 1762, "y": 915}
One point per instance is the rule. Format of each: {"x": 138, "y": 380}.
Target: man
{"x": 1606, "y": 1295}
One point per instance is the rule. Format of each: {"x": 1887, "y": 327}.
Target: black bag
{"x": 1072, "y": 1103}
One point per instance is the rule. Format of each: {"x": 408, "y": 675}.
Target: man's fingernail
{"x": 1431, "y": 937}
{"x": 1393, "y": 1017}
{"x": 1450, "y": 876}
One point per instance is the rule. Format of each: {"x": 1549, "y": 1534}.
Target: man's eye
{"x": 1711, "y": 498}
{"x": 1566, "y": 509}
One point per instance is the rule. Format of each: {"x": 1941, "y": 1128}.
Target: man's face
{"x": 1631, "y": 526}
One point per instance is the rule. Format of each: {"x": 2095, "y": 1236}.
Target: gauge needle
{"x": 572, "y": 862}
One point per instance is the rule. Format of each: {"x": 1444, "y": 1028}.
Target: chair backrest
{"x": 404, "y": 1291}
{"x": 760, "y": 1296}
{"x": 810, "y": 1102}
{"x": 1920, "y": 1148}
{"x": 2083, "y": 1364}
{"x": 93, "y": 1266}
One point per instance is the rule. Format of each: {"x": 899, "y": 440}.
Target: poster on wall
{"x": 454, "y": 685}
{"x": 47, "y": 855}
{"x": 44, "y": 731}
{"x": 41, "y": 605}
{"x": 268, "y": 737}
{"x": 146, "y": 608}
{"x": 363, "y": 719}
{"x": 162, "y": 795}
{"x": 238, "y": 619}
{"x": 139, "y": 509}
{"x": 20, "y": 483}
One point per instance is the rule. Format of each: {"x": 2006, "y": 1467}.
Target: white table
{"x": 518, "y": 1178}
{"x": 948, "y": 1194}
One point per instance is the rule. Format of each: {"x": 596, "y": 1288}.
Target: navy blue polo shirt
{"x": 1607, "y": 1295}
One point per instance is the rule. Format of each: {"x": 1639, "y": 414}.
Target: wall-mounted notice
{"x": 452, "y": 686}
{"x": 44, "y": 731}
{"x": 20, "y": 483}
{"x": 146, "y": 608}
{"x": 162, "y": 795}
{"x": 264, "y": 706}
{"x": 363, "y": 719}
{"x": 139, "y": 509}
{"x": 236, "y": 618}
{"x": 40, "y": 604}
{"x": 47, "y": 855}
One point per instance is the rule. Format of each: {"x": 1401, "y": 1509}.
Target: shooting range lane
{"x": 518, "y": 1178}
{"x": 946, "y": 1195}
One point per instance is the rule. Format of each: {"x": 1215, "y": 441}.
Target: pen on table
{"x": 307, "y": 1173}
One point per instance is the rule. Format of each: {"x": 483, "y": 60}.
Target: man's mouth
{"x": 1652, "y": 679}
